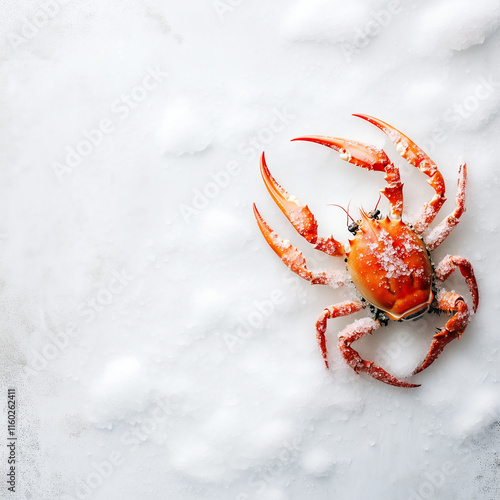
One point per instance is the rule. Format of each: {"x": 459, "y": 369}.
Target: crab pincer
{"x": 370, "y": 158}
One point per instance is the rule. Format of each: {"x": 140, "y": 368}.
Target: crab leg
{"x": 453, "y": 328}
{"x": 301, "y": 218}
{"x": 416, "y": 157}
{"x": 354, "y": 332}
{"x": 350, "y": 334}
{"x": 294, "y": 259}
{"x": 371, "y": 158}
{"x": 449, "y": 264}
{"x": 342, "y": 309}
{"x": 443, "y": 229}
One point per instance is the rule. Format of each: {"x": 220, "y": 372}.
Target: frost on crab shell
{"x": 391, "y": 258}
{"x": 335, "y": 278}
{"x": 446, "y": 266}
{"x": 438, "y": 234}
{"x": 398, "y": 206}
{"x": 361, "y": 325}
{"x": 401, "y": 147}
{"x": 294, "y": 199}
{"x": 297, "y": 219}
{"x": 427, "y": 210}
{"x": 344, "y": 154}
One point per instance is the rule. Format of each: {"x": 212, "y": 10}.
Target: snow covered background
{"x": 158, "y": 347}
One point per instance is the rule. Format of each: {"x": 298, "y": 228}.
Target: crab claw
{"x": 292, "y": 257}
{"x": 371, "y": 158}
{"x": 416, "y": 157}
{"x": 405, "y": 146}
{"x": 301, "y": 218}
{"x": 357, "y": 153}
{"x": 455, "y": 326}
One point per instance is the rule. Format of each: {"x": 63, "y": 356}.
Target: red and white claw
{"x": 293, "y": 258}
{"x": 299, "y": 215}
{"x": 357, "y": 153}
{"x": 371, "y": 158}
{"x": 455, "y": 326}
{"x": 443, "y": 229}
{"x": 416, "y": 157}
{"x": 449, "y": 264}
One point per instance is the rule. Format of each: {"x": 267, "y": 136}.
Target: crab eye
{"x": 353, "y": 227}
{"x": 375, "y": 214}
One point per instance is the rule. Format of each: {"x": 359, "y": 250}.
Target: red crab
{"x": 388, "y": 260}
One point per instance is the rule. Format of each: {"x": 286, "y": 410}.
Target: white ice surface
{"x": 158, "y": 347}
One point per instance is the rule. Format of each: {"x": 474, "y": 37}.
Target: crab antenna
{"x": 379, "y": 198}
{"x": 335, "y": 205}
{"x": 348, "y": 205}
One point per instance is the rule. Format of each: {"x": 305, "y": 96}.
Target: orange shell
{"x": 390, "y": 267}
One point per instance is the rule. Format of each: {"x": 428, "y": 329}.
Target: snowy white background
{"x": 158, "y": 346}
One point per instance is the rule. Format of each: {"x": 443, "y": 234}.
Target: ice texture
{"x": 158, "y": 347}
{"x": 458, "y": 26}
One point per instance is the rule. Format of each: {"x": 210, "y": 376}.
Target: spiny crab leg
{"x": 294, "y": 259}
{"x": 301, "y": 218}
{"x": 349, "y": 335}
{"x": 336, "y": 311}
{"x": 450, "y": 302}
{"x": 449, "y": 264}
{"x": 371, "y": 158}
{"x": 416, "y": 157}
{"x": 443, "y": 229}
{"x": 354, "y": 332}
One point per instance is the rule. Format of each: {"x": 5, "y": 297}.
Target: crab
{"x": 388, "y": 259}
